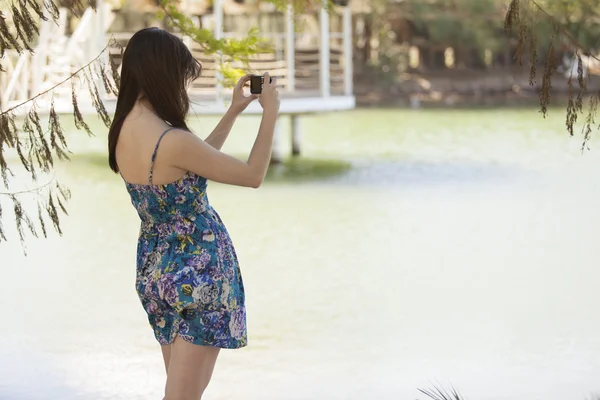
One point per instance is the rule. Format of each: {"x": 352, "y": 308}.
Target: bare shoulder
{"x": 135, "y": 146}
{"x": 177, "y": 137}
{"x": 177, "y": 141}
{"x": 183, "y": 149}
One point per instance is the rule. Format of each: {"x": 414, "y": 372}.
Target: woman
{"x": 188, "y": 277}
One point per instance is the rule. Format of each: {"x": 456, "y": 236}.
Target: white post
{"x": 39, "y": 56}
{"x": 218, "y": 12}
{"x": 92, "y": 36}
{"x": 101, "y": 28}
{"x": 324, "y": 63}
{"x": 348, "y": 63}
{"x": 25, "y": 78}
{"x": 101, "y": 41}
{"x": 290, "y": 48}
{"x": 14, "y": 82}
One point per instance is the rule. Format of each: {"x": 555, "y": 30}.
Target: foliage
{"x": 581, "y": 19}
{"x": 521, "y": 19}
{"x": 37, "y": 144}
{"x": 460, "y": 23}
{"x": 302, "y": 6}
{"x": 438, "y": 393}
{"x": 381, "y": 62}
{"x": 228, "y": 50}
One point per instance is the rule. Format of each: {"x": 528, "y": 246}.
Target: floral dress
{"x": 188, "y": 277}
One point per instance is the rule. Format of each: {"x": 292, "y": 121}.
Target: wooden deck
{"x": 296, "y": 103}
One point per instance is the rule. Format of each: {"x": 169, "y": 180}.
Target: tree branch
{"x": 567, "y": 34}
{"x": 29, "y": 191}
{"x": 61, "y": 82}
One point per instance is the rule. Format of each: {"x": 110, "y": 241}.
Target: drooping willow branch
{"x": 522, "y": 19}
{"x": 37, "y": 146}
{"x": 25, "y": 27}
{"x": 30, "y": 191}
{"x": 565, "y": 32}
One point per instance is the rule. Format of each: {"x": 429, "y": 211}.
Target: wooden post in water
{"x": 295, "y": 122}
{"x": 276, "y": 150}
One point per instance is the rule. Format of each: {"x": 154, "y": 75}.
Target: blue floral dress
{"x": 188, "y": 277}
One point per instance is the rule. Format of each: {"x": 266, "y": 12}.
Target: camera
{"x": 256, "y": 83}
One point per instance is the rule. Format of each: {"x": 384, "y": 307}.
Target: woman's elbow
{"x": 255, "y": 184}
{"x": 255, "y": 180}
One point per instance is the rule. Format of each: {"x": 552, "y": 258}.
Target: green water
{"x": 405, "y": 248}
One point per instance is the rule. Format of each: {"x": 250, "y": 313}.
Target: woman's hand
{"x": 269, "y": 98}
{"x": 240, "y": 101}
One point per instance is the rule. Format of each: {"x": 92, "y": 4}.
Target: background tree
{"x": 471, "y": 27}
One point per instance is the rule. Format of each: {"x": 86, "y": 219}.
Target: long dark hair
{"x": 157, "y": 67}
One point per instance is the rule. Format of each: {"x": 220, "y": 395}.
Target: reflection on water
{"x": 455, "y": 251}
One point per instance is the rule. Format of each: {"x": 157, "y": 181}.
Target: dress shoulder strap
{"x": 154, "y": 155}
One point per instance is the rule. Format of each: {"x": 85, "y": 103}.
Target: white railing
{"x": 332, "y": 60}
{"x": 301, "y": 75}
{"x": 16, "y": 78}
{"x": 56, "y": 56}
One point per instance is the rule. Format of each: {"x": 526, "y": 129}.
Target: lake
{"x": 460, "y": 249}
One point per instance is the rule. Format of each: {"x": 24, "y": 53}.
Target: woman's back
{"x": 137, "y": 143}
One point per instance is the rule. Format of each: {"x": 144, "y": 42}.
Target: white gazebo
{"x": 313, "y": 64}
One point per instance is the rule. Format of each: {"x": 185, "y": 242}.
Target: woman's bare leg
{"x": 190, "y": 369}
{"x": 166, "y": 353}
